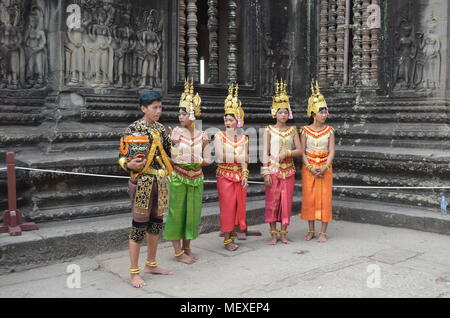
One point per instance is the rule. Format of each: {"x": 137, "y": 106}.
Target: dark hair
{"x": 311, "y": 118}
{"x": 146, "y": 98}
{"x": 234, "y": 117}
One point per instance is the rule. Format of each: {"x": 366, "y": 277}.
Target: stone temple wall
{"x": 71, "y": 71}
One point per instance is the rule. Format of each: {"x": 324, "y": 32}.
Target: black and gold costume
{"x": 149, "y": 188}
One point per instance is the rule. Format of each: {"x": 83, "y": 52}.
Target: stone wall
{"x": 71, "y": 71}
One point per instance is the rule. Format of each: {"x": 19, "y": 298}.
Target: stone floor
{"x": 359, "y": 260}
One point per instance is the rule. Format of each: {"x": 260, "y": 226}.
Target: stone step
{"x": 22, "y": 102}
{"x": 348, "y": 158}
{"x": 206, "y": 109}
{"x": 57, "y": 242}
{"x": 408, "y": 143}
{"x": 70, "y": 205}
{"x": 20, "y": 119}
{"x": 19, "y": 109}
{"x": 113, "y": 143}
{"x": 419, "y": 198}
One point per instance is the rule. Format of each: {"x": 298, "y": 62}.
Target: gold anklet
{"x": 151, "y": 264}
{"x": 227, "y": 242}
{"x": 179, "y": 254}
{"x": 134, "y": 271}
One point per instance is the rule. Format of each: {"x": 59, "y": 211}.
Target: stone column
{"x": 213, "y": 44}
{"x": 374, "y": 26}
{"x": 331, "y": 74}
{"x": 193, "y": 71}
{"x": 366, "y": 41}
{"x": 232, "y": 42}
{"x": 181, "y": 40}
{"x": 357, "y": 42}
{"x": 323, "y": 38}
{"x": 340, "y": 42}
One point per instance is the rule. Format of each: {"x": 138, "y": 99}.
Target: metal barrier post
{"x": 12, "y": 218}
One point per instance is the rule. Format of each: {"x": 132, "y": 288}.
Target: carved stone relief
{"x": 269, "y": 64}
{"x": 23, "y": 46}
{"x": 429, "y": 57}
{"x": 406, "y": 51}
{"x": 418, "y": 58}
{"x": 36, "y": 50}
{"x": 110, "y": 45}
{"x": 285, "y": 59}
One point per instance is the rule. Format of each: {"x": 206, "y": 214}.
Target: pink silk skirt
{"x": 279, "y": 198}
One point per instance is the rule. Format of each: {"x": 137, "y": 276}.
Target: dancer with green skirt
{"x": 189, "y": 153}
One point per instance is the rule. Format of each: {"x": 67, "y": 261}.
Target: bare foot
{"x": 309, "y": 236}
{"x": 274, "y": 240}
{"x": 322, "y": 238}
{"x": 232, "y": 247}
{"x": 190, "y": 254}
{"x": 284, "y": 239}
{"x": 136, "y": 281}
{"x": 157, "y": 271}
{"x": 186, "y": 259}
{"x": 241, "y": 235}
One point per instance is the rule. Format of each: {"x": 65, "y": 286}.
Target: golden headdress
{"x": 189, "y": 101}
{"x": 281, "y": 99}
{"x": 316, "y": 101}
{"x": 233, "y": 106}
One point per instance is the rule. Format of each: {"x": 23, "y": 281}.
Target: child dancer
{"x": 190, "y": 152}
{"x": 281, "y": 144}
{"x": 317, "y": 174}
{"x": 232, "y": 173}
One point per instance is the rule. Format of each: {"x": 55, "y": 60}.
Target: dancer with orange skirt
{"x": 318, "y": 148}
{"x": 232, "y": 173}
{"x": 281, "y": 144}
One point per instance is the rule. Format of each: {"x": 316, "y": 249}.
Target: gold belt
{"x": 231, "y": 168}
{"x": 157, "y": 172}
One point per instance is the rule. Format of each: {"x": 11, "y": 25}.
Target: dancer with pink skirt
{"x": 281, "y": 144}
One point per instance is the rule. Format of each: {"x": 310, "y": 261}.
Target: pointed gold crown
{"x": 192, "y": 103}
{"x": 316, "y": 101}
{"x": 281, "y": 99}
{"x": 233, "y": 106}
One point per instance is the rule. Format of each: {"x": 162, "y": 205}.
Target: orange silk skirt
{"x": 317, "y": 196}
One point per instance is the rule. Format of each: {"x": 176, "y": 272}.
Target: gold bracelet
{"x": 328, "y": 165}
{"x": 289, "y": 153}
{"x": 123, "y": 163}
{"x": 265, "y": 171}
{"x": 245, "y": 173}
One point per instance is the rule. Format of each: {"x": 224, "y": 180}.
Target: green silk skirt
{"x": 185, "y": 206}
